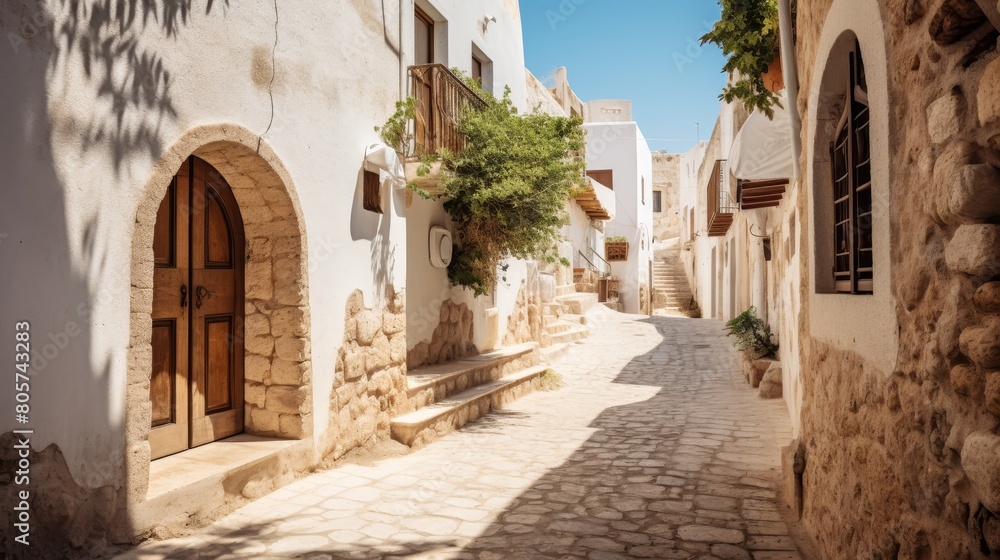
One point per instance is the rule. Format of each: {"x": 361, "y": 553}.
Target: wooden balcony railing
{"x": 441, "y": 97}
{"x": 720, "y": 205}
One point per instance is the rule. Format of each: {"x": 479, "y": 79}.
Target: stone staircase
{"x": 564, "y": 321}
{"x": 447, "y": 396}
{"x": 671, "y": 292}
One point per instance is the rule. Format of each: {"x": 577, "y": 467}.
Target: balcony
{"x": 720, "y": 203}
{"x": 596, "y": 200}
{"x": 441, "y": 97}
{"x": 753, "y": 195}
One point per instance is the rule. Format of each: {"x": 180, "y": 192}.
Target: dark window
{"x": 477, "y": 70}
{"x": 423, "y": 37}
{"x": 657, "y": 201}
{"x": 372, "y": 200}
{"x": 603, "y": 176}
{"x": 853, "y": 267}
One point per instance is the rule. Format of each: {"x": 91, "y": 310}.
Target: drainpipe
{"x": 789, "y": 69}
{"x": 402, "y": 52}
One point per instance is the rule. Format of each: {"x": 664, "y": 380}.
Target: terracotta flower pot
{"x": 774, "y": 80}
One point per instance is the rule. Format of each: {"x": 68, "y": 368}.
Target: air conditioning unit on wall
{"x": 440, "y": 247}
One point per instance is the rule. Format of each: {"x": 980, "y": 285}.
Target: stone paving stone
{"x": 654, "y": 448}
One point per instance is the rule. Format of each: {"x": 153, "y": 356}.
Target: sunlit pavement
{"x": 653, "y": 448}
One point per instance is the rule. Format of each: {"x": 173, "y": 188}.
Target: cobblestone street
{"x": 654, "y": 448}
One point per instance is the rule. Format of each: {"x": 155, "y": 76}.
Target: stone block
{"x": 260, "y": 248}
{"x": 982, "y": 344}
{"x": 284, "y": 400}
{"x": 290, "y": 294}
{"x": 256, "y": 368}
{"x": 354, "y": 363}
{"x": 975, "y": 250}
{"x": 954, "y": 20}
{"x": 284, "y": 372}
{"x": 259, "y": 284}
{"x": 369, "y": 324}
{"x": 397, "y": 348}
{"x": 288, "y": 321}
{"x": 254, "y": 394}
{"x": 981, "y": 461}
{"x": 966, "y": 380}
{"x": 256, "y": 324}
{"x": 259, "y": 345}
{"x": 290, "y": 426}
{"x": 944, "y": 117}
{"x": 987, "y": 298}
{"x": 770, "y": 384}
{"x": 975, "y": 192}
{"x": 393, "y": 323}
{"x": 758, "y": 368}
{"x": 378, "y": 354}
{"x": 287, "y": 269}
{"x": 263, "y": 421}
{"x": 417, "y": 356}
{"x": 292, "y": 348}
{"x": 988, "y": 96}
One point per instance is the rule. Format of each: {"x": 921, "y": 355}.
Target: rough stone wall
{"x": 452, "y": 339}
{"x": 64, "y": 516}
{"x": 525, "y": 324}
{"x": 666, "y": 178}
{"x": 905, "y": 463}
{"x": 369, "y": 385}
{"x": 644, "y": 299}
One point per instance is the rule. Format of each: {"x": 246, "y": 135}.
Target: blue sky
{"x": 643, "y": 50}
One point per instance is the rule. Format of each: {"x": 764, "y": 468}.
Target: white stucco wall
{"x": 77, "y": 157}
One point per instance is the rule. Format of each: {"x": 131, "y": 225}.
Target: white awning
{"x": 763, "y": 147}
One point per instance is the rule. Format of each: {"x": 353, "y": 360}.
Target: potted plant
{"x": 754, "y": 339}
{"x": 616, "y": 248}
{"x": 747, "y": 32}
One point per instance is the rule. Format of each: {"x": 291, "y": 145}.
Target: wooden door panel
{"x": 169, "y": 378}
{"x": 217, "y": 313}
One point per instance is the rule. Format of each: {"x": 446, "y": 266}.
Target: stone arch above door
{"x": 278, "y": 369}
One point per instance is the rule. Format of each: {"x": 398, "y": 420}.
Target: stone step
{"x": 554, "y": 352}
{"x": 430, "y": 384}
{"x": 570, "y": 335}
{"x": 558, "y": 327}
{"x": 547, "y": 319}
{"x": 431, "y": 422}
{"x": 577, "y": 304}
{"x": 575, "y": 319}
{"x": 615, "y": 305}
{"x": 565, "y": 290}
{"x": 552, "y": 308}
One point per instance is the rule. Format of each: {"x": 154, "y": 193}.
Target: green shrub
{"x": 506, "y": 191}
{"x": 752, "y": 334}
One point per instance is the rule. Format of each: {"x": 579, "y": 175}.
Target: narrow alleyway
{"x": 654, "y": 448}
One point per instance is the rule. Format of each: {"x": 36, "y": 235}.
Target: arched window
{"x": 850, "y": 159}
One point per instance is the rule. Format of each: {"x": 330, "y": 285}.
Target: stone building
{"x": 666, "y": 195}
{"x": 187, "y": 183}
{"x": 882, "y": 280}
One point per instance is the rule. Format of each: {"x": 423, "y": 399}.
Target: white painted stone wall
{"x": 78, "y": 146}
{"x": 621, "y": 147}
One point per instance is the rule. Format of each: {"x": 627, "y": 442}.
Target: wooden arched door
{"x": 196, "y": 383}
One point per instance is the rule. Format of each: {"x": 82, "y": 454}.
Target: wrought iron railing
{"x": 441, "y": 97}
{"x": 720, "y": 204}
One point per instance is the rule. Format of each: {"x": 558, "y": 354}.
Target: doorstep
{"x": 216, "y": 459}
{"x": 193, "y": 488}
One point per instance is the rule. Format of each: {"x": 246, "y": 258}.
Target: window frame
{"x": 421, "y": 15}
{"x": 657, "y": 202}
{"x": 853, "y": 267}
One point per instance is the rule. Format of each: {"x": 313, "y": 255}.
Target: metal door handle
{"x": 199, "y": 293}
{"x": 184, "y": 295}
